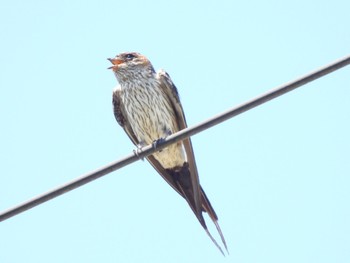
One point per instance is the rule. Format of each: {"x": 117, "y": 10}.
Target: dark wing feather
{"x": 201, "y": 201}
{"x": 120, "y": 116}
{"x": 164, "y": 173}
{"x": 171, "y": 91}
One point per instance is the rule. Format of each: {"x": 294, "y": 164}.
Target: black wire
{"x": 174, "y": 138}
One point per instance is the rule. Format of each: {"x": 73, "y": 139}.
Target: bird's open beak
{"x": 116, "y": 62}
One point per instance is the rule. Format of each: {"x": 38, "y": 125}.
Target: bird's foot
{"x": 157, "y": 142}
{"x": 138, "y": 150}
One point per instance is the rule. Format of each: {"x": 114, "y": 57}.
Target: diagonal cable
{"x": 145, "y": 151}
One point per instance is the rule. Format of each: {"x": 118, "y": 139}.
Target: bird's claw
{"x": 157, "y": 142}
{"x": 137, "y": 151}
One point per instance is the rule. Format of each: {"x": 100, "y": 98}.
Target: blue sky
{"x": 277, "y": 176}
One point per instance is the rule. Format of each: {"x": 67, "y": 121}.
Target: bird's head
{"x": 130, "y": 64}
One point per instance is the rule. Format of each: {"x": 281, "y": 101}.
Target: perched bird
{"x": 147, "y": 105}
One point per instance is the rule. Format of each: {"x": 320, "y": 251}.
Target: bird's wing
{"x": 200, "y": 198}
{"x": 120, "y": 116}
{"x": 171, "y": 92}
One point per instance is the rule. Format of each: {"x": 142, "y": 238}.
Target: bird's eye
{"x": 130, "y": 56}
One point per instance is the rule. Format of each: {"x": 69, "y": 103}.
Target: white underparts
{"x": 151, "y": 117}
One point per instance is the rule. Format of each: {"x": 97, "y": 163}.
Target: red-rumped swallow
{"x": 147, "y": 105}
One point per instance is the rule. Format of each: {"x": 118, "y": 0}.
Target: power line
{"x": 145, "y": 151}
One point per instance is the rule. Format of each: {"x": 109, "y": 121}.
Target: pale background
{"x": 278, "y": 176}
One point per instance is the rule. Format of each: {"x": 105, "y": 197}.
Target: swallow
{"x": 147, "y": 106}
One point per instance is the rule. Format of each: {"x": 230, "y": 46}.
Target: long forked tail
{"x": 206, "y": 207}
{"x": 202, "y": 222}
{"x": 214, "y": 241}
{"x": 182, "y": 183}
{"x": 210, "y": 210}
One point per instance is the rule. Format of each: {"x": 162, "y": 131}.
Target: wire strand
{"x": 145, "y": 151}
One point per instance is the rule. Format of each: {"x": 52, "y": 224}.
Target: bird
{"x": 146, "y": 104}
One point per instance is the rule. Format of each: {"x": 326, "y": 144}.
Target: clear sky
{"x": 277, "y": 176}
